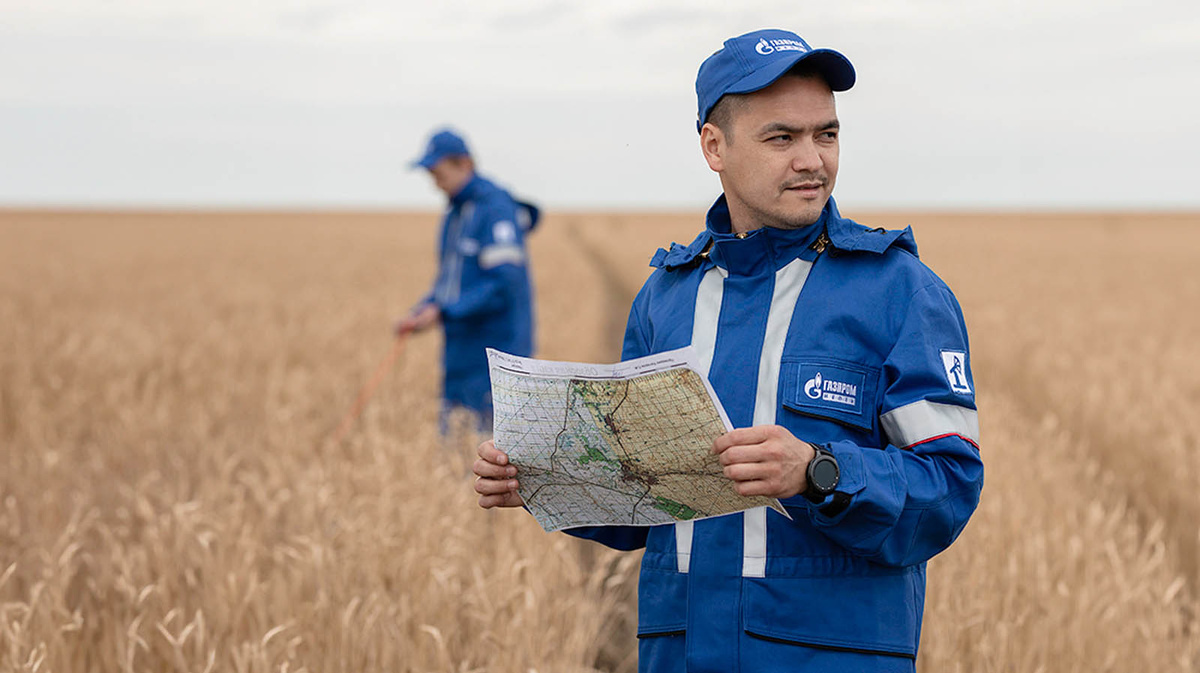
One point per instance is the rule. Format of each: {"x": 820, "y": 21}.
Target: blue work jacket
{"x": 482, "y": 288}
{"x": 841, "y": 335}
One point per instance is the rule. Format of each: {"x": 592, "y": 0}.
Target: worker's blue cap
{"x": 442, "y": 144}
{"x": 755, "y": 60}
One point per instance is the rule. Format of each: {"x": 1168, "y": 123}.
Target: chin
{"x": 804, "y": 213}
{"x": 798, "y": 220}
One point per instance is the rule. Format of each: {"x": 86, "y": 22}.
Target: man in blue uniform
{"x": 482, "y": 295}
{"x": 843, "y": 364}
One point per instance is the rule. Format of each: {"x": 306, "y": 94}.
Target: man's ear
{"x": 713, "y": 144}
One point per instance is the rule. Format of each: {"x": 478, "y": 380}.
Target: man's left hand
{"x": 765, "y": 460}
{"x": 419, "y": 319}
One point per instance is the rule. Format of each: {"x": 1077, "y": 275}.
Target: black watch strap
{"x": 812, "y": 497}
{"x": 814, "y": 493}
{"x": 837, "y": 504}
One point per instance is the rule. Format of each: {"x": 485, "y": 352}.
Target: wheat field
{"x": 172, "y": 497}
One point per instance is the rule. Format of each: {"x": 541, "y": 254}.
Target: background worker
{"x": 482, "y": 295}
{"x": 843, "y": 364}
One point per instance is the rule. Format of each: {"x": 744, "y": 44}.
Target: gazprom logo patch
{"x": 829, "y": 389}
{"x": 767, "y": 47}
{"x": 468, "y": 246}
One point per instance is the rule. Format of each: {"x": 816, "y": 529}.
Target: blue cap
{"x": 442, "y": 144}
{"x": 755, "y": 60}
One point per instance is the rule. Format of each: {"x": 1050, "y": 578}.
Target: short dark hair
{"x": 723, "y": 113}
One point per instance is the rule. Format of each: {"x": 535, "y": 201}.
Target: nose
{"x": 807, "y": 157}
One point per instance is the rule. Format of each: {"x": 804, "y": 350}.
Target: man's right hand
{"x": 421, "y": 317}
{"x": 497, "y": 479}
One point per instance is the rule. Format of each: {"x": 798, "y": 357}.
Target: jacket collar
{"x": 781, "y": 245}
{"x": 764, "y": 250}
{"x": 469, "y": 191}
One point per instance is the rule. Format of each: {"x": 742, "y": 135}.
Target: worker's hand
{"x": 497, "y": 479}
{"x": 422, "y": 317}
{"x": 765, "y": 460}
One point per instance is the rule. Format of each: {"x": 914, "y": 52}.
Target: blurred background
{"x": 208, "y": 225}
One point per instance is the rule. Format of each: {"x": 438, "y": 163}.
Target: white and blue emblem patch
{"x": 823, "y": 387}
{"x": 831, "y": 387}
{"x": 955, "y": 364}
{"x": 468, "y": 247}
{"x": 504, "y": 232}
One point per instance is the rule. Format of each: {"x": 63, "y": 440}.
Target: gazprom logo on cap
{"x": 831, "y": 390}
{"x": 767, "y": 47}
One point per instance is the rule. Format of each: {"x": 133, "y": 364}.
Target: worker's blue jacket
{"x": 482, "y": 287}
{"x": 841, "y": 335}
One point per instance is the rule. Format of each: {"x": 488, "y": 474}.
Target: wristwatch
{"x": 823, "y": 475}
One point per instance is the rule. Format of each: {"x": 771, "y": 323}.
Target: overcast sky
{"x": 311, "y": 103}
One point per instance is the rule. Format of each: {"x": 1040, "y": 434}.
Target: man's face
{"x": 779, "y": 162}
{"x": 451, "y": 174}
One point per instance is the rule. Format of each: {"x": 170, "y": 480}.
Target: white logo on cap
{"x": 766, "y": 47}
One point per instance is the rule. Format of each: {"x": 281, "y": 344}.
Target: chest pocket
{"x": 828, "y": 388}
{"x": 468, "y": 247}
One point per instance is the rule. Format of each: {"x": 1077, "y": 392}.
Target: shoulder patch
{"x": 955, "y": 364}
{"x": 504, "y": 232}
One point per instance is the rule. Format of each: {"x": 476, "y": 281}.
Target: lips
{"x": 805, "y": 186}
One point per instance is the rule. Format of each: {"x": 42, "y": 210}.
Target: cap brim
{"x": 425, "y": 162}
{"x": 430, "y": 160}
{"x": 836, "y": 69}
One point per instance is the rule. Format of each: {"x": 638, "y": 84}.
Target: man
{"x": 832, "y": 348}
{"x": 482, "y": 295}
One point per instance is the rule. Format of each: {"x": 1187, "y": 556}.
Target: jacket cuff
{"x": 851, "y": 481}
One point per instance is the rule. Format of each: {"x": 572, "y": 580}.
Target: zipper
{"x": 821, "y": 242}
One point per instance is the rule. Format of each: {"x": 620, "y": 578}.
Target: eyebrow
{"x": 777, "y": 127}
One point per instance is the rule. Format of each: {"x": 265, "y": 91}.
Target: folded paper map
{"x": 624, "y": 444}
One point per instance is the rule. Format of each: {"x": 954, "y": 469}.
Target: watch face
{"x": 824, "y": 474}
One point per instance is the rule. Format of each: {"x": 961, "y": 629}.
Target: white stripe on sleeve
{"x": 495, "y": 255}
{"x": 922, "y": 421}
